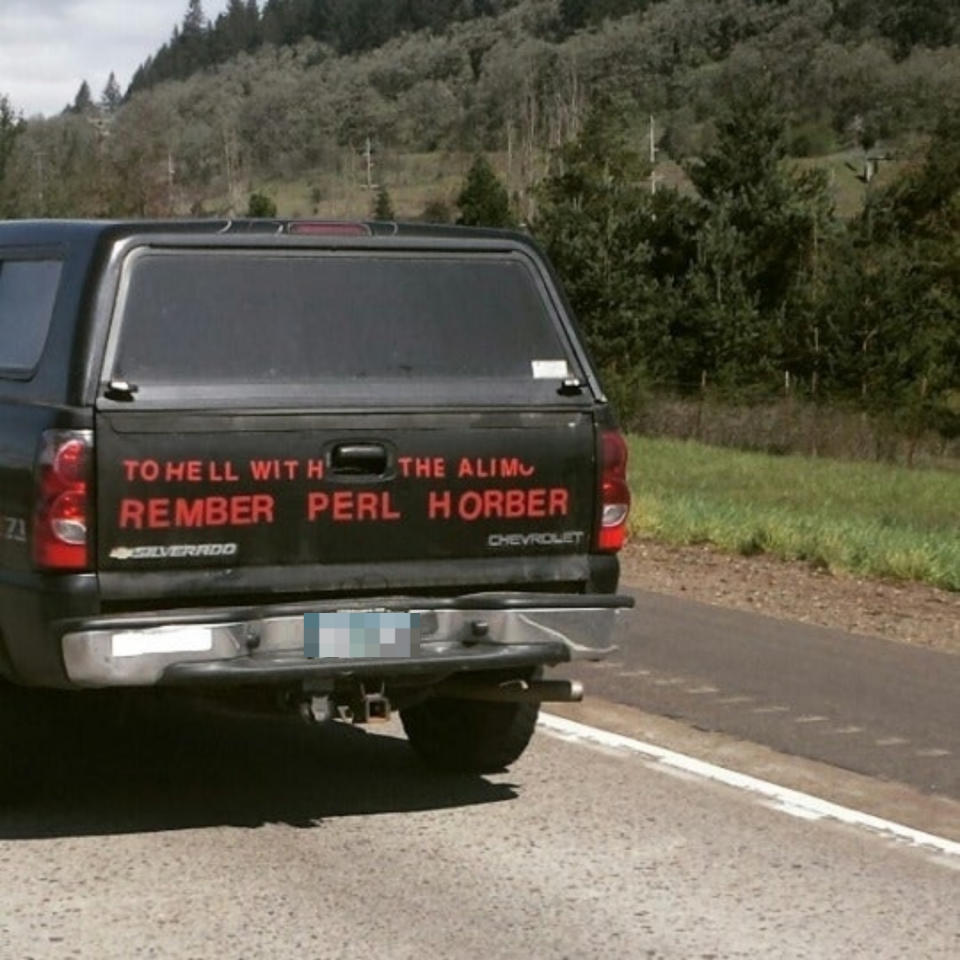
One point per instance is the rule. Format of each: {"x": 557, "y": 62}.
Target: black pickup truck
{"x": 342, "y": 467}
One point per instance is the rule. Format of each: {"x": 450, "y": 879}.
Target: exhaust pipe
{"x": 514, "y": 691}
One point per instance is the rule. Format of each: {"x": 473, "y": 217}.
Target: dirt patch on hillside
{"x": 906, "y": 612}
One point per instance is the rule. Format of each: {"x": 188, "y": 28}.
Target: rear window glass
{"x": 238, "y": 317}
{"x": 28, "y": 289}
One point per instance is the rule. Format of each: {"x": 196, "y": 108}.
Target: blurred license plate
{"x": 360, "y": 635}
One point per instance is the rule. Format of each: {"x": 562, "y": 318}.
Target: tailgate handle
{"x": 359, "y": 459}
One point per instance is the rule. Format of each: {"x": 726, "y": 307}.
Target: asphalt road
{"x": 884, "y": 709}
{"x": 159, "y": 833}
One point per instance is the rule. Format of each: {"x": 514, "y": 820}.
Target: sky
{"x": 48, "y": 47}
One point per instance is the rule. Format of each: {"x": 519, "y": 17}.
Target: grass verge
{"x": 861, "y": 518}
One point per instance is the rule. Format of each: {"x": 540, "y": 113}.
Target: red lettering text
{"x": 161, "y": 513}
{"x": 181, "y": 471}
{"x": 470, "y": 506}
{"x": 514, "y": 504}
{"x": 188, "y": 513}
{"x": 131, "y": 514}
{"x": 265, "y": 469}
{"x": 158, "y": 513}
{"x": 345, "y": 506}
{"x": 488, "y": 468}
{"x": 317, "y": 503}
{"x": 367, "y": 504}
{"x": 439, "y": 504}
{"x": 423, "y": 468}
{"x": 223, "y": 473}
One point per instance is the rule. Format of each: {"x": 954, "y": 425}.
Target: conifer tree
{"x": 383, "y": 205}
{"x": 83, "y": 101}
{"x": 111, "y": 98}
{"x": 261, "y": 205}
{"x": 11, "y": 126}
{"x": 194, "y": 20}
{"x": 483, "y": 201}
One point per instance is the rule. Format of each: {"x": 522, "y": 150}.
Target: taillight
{"x": 614, "y": 492}
{"x": 61, "y": 521}
{"x": 328, "y": 228}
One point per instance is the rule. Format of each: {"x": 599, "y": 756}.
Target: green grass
{"x": 850, "y": 194}
{"x": 861, "y": 518}
{"x": 412, "y": 180}
{"x": 415, "y": 178}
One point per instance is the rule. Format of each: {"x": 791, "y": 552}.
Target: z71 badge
{"x": 13, "y": 528}
{"x": 174, "y": 551}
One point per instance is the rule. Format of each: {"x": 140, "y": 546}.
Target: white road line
{"x": 932, "y": 752}
{"x": 793, "y": 802}
{"x": 810, "y": 719}
{"x": 701, "y": 690}
{"x": 770, "y": 710}
{"x": 736, "y": 700}
{"x": 891, "y": 742}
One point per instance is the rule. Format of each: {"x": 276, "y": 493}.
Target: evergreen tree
{"x": 253, "y": 24}
{"x": 194, "y": 20}
{"x": 383, "y": 205}
{"x": 190, "y": 48}
{"x": 483, "y": 201}
{"x": 898, "y": 323}
{"x": 574, "y": 14}
{"x": 595, "y": 219}
{"x": 111, "y": 98}
{"x": 83, "y": 101}
{"x": 349, "y": 26}
{"x": 286, "y": 21}
{"x": 908, "y": 23}
{"x": 261, "y": 205}
{"x": 762, "y": 221}
{"x": 236, "y": 29}
{"x": 11, "y": 127}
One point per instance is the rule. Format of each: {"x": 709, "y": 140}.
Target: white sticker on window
{"x": 550, "y": 369}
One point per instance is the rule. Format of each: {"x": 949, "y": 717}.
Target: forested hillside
{"x": 347, "y": 26}
{"x": 495, "y": 75}
{"x": 746, "y": 198}
{"x": 352, "y": 26}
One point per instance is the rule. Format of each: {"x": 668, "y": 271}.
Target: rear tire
{"x": 469, "y": 736}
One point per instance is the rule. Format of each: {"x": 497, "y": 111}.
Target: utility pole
{"x": 39, "y": 155}
{"x": 101, "y": 122}
{"x": 655, "y": 177}
{"x": 228, "y": 167}
{"x": 171, "y": 171}
{"x": 368, "y": 156}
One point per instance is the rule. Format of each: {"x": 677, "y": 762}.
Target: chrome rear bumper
{"x": 476, "y": 632}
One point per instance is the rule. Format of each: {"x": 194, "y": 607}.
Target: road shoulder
{"x": 904, "y": 612}
{"x": 891, "y": 801}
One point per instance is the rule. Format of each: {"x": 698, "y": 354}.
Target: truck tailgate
{"x": 191, "y": 489}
